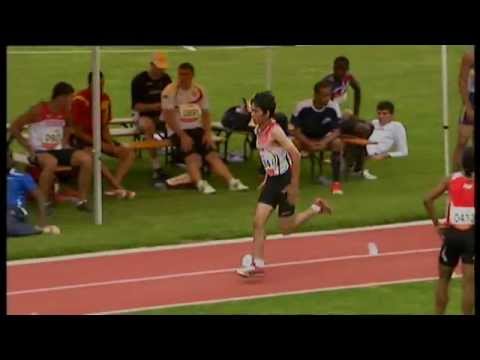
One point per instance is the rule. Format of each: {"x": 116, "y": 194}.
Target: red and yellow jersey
{"x": 461, "y": 206}
{"x": 82, "y": 110}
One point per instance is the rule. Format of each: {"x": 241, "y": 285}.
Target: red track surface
{"x": 205, "y": 273}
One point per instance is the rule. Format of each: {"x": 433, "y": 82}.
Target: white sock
{"x": 316, "y": 208}
{"x": 232, "y": 180}
{"x": 259, "y": 262}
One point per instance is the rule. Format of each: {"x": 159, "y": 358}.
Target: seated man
{"x": 83, "y": 136}
{"x": 49, "y": 127}
{"x": 316, "y": 123}
{"x": 388, "y": 137}
{"x": 340, "y": 80}
{"x": 146, "y": 90}
{"x": 19, "y": 186}
{"x": 186, "y": 112}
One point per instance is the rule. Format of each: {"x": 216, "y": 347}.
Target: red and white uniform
{"x": 188, "y": 105}
{"x": 47, "y": 133}
{"x": 461, "y": 207}
{"x": 275, "y": 158}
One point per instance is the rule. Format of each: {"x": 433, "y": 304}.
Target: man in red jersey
{"x": 457, "y": 234}
{"x": 49, "y": 127}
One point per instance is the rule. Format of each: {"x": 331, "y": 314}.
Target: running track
{"x": 153, "y": 278}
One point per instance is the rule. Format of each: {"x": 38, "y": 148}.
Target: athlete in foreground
{"x": 280, "y": 186}
{"x": 457, "y": 234}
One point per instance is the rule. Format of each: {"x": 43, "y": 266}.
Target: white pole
{"x": 268, "y": 61}
{"x": 445, "y": 109}
{"x": 97, "y": 165}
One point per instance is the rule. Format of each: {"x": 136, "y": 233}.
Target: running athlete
{"x": 280, "y": 186}
{"x": 457, "y": 233}
{"x": 466, "y": 84}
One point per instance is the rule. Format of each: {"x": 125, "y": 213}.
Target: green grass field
{"x": 407, "y": 75}
{"x": 402, "y": 299}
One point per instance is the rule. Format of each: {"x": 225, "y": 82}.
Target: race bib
{"x": 190, "y": 112}
{"x": 462, "y": 215}
{"x": 52, "y": 138}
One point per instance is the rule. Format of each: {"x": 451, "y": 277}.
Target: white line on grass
{"x": 210, "y": 272}
{"x": 270, "y": 295}
{"x": 126, "y": 51}
{"x": 212, "y": 243}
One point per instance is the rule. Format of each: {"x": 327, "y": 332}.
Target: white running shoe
{"x": 367, "y": 175}
{"x": 237, "y": 185}
{"x": 205, "y": 188}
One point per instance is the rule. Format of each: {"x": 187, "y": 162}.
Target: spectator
{"x": 316, "y": 123}
{"x": 466, "y": 84}
{"x": 49, "y": 127}
{"x": 146, "y": 90}
{"x": 83, "y": 137}
{"x": 340, "y": 80}
{"x": 186, "y": 112}
{"x": 388, "y": 136}
{"x": 19, "y": 185}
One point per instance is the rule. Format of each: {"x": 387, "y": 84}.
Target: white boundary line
{"x": 126, "y": 51}
{"x": 271, "y": 295}
{"x": 210, "y": 272}
{"x": 212, "y": 243}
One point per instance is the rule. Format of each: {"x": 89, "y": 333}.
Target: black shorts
{"x": 274, "y": 194}
{"x": 63, "y": 156}
{"x": 197, "y": 148}
{"x": 457, "y": 244}
{"x": 79, "y": 144}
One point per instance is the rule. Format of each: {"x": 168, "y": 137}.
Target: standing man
{"x": 146, "y": 90}
{"x": 49, "y": 127}
{"x": 186, "y": 112}
{"x": 83, "y": 138}
{"x": 458, "y": 234}
{"x": 340, "y": 80}
{"x": 466, "y": 84}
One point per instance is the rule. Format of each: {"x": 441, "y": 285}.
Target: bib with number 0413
{"x": 462, "y": 215}
{"x": 190, "y": 112}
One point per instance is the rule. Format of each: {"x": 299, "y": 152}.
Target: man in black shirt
{"x": 146, "y": 90}
{"x": 316, "y": 123}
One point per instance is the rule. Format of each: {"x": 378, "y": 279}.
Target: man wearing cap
{"x": 146, "y": 90}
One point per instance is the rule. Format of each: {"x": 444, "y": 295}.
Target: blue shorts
{"x": 17, "y": 224}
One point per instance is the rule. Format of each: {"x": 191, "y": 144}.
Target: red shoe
{"x": 337, "y": 188}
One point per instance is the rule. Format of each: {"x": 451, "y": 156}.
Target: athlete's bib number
{"x": 270, "y": 163}
{"x": 190, "y": 112}
{"x": 52, "y": 138}
{"x": 463, "y": 215}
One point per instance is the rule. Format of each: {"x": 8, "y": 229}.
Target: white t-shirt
{"x": 188, "y": 105}
{"x": 391, "y": 139}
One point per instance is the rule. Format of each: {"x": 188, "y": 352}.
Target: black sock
{"x": 336, "y": 165}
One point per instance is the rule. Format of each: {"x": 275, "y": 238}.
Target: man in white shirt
{"x": 388, "y": 138}
{"x": 186, "y": 111}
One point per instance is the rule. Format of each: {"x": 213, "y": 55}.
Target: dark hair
{"x": 468, "y": 161}
{"x": 187, "y": 66}
{"x": 62, "y": 88}
{"x": 265, "y": 101}
{"x": 90, "y": 77}
{"x": 386, "y": 105}
{"x": 321, "y": 85}
{"x": 341, "y": 60}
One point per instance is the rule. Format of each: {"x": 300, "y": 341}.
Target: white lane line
{"x": 127, "y": 51}
{"x": 213, "y": 243}
{"x": 209, "y": 272}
